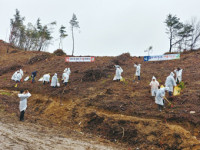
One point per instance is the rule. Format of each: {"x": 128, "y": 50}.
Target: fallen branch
{"x": 122, "y": 132}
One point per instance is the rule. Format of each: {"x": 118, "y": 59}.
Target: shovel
{"x": 171, "y": 105}
{"x": 134, "y": 78}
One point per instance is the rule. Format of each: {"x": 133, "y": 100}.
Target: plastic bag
{"x": 27, "y": 78}
{"x": 122, "y": 79}
{"x": 41, "y": 79}
{"x": 58, "y": 84}
{"x": 177, "y": 91}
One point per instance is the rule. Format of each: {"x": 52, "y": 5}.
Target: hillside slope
{"x": 122, "y": 112}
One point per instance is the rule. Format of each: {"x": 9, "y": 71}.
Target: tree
{"x": 195, "y": 38}
{"x": 173, "y": 27}
{"x": 30, "y": 37}
{"x": 16, "y": 29}
{"x": 44, "y": 33}
{"x": 185, "y": 36}
{"x": 63, "y": 34}
{"x": 74, "y": 24}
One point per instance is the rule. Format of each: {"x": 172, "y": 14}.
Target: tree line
{"x": 182, "y": 36}
{"x": 37, "y": 37}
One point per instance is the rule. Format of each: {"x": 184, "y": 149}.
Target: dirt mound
{"x": 93, "y": 75}
{"x": 38, "y": 58}
{"x": 59, "y": 52}
{"x": 121, "y": 59}
{"x": 10, "y": 68}
{"x": 141, "y": 133}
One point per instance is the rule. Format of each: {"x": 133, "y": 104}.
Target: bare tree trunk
{"x": 73, "y": 41}
{"x": 170, "y": 41}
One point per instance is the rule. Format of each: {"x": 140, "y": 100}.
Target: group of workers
{"x": 157, "y": 91}
{"x": 24, "y": 95}
{"x": 170, "y": 83}
{"x": 119, "y": 70}
{"x": 18, "y": 75}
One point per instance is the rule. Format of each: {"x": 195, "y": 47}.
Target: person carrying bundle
{"x": 178, "y": 72}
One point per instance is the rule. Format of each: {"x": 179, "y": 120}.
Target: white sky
{"x": 107, "y": 27}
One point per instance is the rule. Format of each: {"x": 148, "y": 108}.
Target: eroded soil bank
{"x": 73, "y": 125}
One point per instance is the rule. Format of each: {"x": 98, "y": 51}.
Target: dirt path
{"x": 28, "y": 136}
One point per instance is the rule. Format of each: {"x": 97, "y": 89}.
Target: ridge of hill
{"x": 122, "y": 112}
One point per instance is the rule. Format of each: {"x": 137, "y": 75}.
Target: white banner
{"x": 79, "y": 59}
{"x": 162, "y": 57}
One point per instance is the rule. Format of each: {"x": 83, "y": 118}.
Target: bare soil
{"x": 120, "y": 112}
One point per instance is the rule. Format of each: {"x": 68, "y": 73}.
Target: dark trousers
{"x": 45, "y": 82}
{"x": 138, "y": 77}
{"x": 160, "y": 107}
{"x": 177, "y": 82}
{"x": 22, "y": 115}
{"x": 170, "y": 93}
{"x": 33, "y": 79}
{"x": 65, "y": 83}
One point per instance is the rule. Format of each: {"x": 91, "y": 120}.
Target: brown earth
{"x": 121, "y": 112}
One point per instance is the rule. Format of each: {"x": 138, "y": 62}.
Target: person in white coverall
{"x": 23, "y": 103}
{"x": 138, "y": 68}
{"x": 159, "y": 99}
{"x": 118, "y": 73}
{"x": 46, "y": 78}
{"x": 17, "y": 76}
{"x": 170, "y": 83}
{"x": 65, "y": 77}
{"x": 21, "y": 71}
{"x": 154, "y": 86}
{"x": 68, "y": 71}
{"x": 54, "y": 80}
{"x": 178, "y": 72}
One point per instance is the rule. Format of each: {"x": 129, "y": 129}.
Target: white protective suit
{"x": 118, "y": 73}
{"x": 14, "y": 75}
{"x": 23, "y": 101}
{"x": 17, "y": 76}
{"x": 65, "y": 77}
{"x": 178, "y": 74}
{"x": 154, "y": 86}
{"x": 138, "y": 67}
{"x": 68, "y": 71}
{"x": 160, "y": 94}
{"x": 46, "y": 78}
{"x": 21, "y": 71}
{"x": 54, "y": 80}
{"x": 170, "y": 82}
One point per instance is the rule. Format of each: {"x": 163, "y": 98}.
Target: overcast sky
{"x": 107, "y": 27}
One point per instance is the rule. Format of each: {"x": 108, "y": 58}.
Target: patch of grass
{"x": 124, "y": 81}
{"x": 181, "y": 85}
{"x": 104, "y": 81}
{"x": 5, "y": 93}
